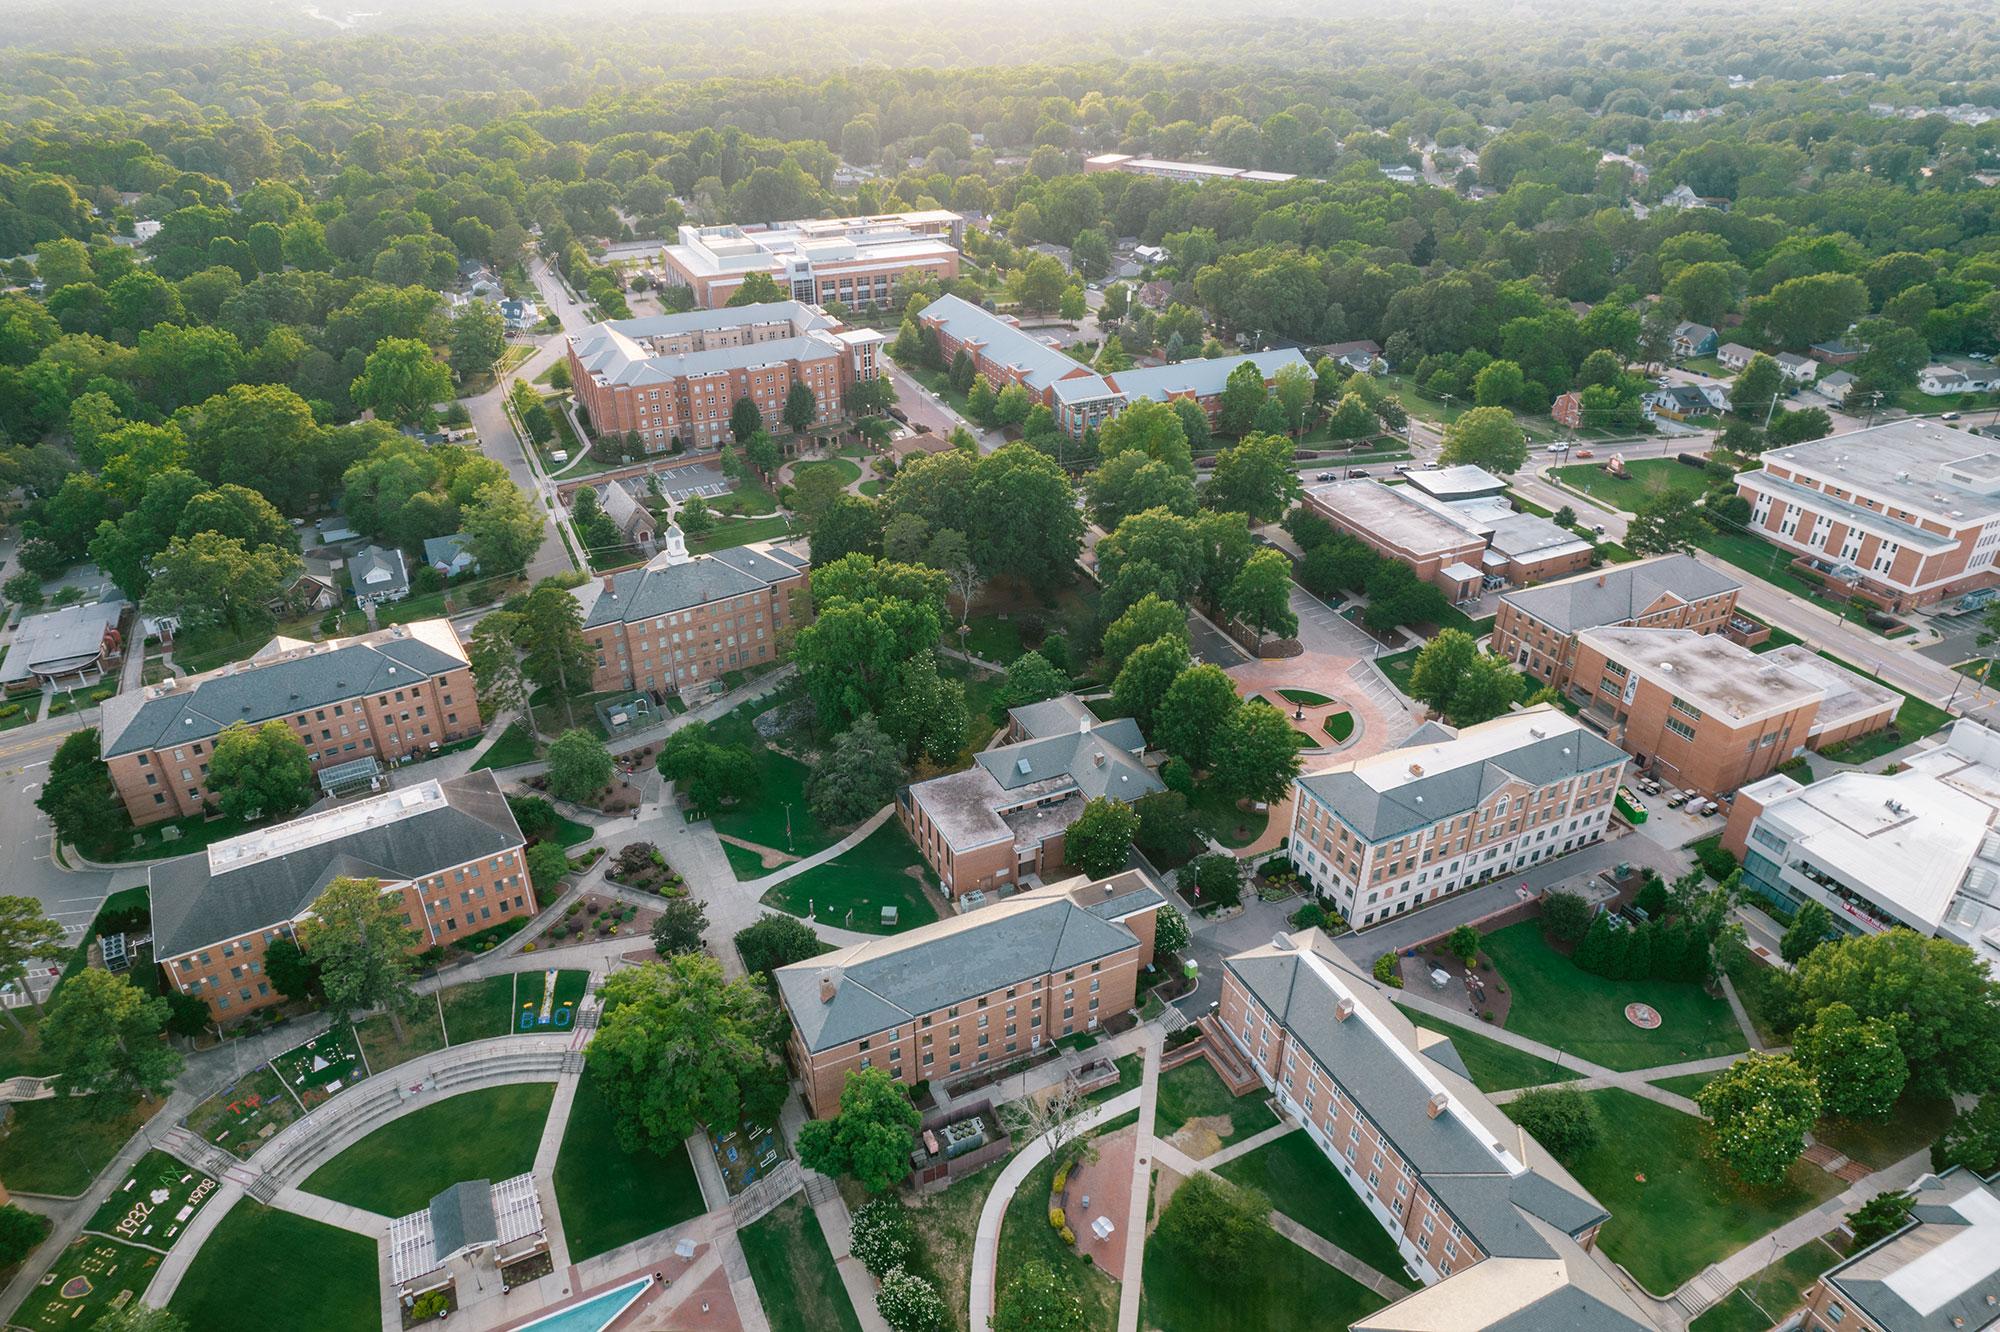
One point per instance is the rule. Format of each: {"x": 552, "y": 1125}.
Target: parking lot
{"x": 1675, "y": 827}
{"x": 677, "y": 483}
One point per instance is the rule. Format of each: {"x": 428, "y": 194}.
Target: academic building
{"x": 1536, "y": 628}
{"x": 1381, "y": 836}
{"x": 674, "y": 378}
{"x": 680, "y": 621}
{"x": 854, "y": 260}
{"x": 1940, "y": 1270}
{"x": 947, "y": 1000}
{"x": 450, "y": 851}
{"x": 1497, "y": 1230}
{"x": 385, "y": 695}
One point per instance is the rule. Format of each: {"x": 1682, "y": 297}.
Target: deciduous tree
{"x": 402, "y": 381}
{"x": 260, "y": 772}
{"x": 1759, "y": 1111}
{"x": 1100, "y": 840}
{"x": 1256, "y": 753}
{"x": 857, "y": 776}
{"x": 579, "y": 766}
{"x": 1485, "y": 437}
{"x": 871, "y": 1136}
{"x": 101, "y": 1035}
{"x": 1857, "y": 1063}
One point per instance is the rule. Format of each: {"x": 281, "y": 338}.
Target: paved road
{"x": 921, "y": 407}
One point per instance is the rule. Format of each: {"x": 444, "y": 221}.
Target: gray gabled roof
{"x": 1620, "y": 593}
{"x": 888, "y": 982}
{"x": 1100, "y": 761}
{"x": 661, "y": 588}
{"x": 212, "y": 896}
{"x": 462, "y": 1216}
{"x": 1039, "y": 364}
{"x": 377, "y": 569}
{"x": 254, "y": 693}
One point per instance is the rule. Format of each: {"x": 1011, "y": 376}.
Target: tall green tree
{"x": 800, "y": 407}
{"x": 1663, "y": 524}
{"x": 1759, "y": 1110}
{"x": 1243, "y": 393}
{"x": 1190, "y": 716}
{"x": 1100, "y": 840}
{"x": 27, "y": 934}
{"x": 260, "y": 772}
{"x": 402, "y": 381}
{"x": 1440, "y": 668}
{"x": 101, "y": 1035}
{"x": 1485, "y": 437}
{"x": 579, "y": 766}
{"x": 78, "y": 796}
{"x": 857, "y": 776}
{"x": 1145, "y": 620}
{"x": 1858, "y": 1064}
{"x": 1148, "y": 673}
{"x": 1256, "y": 755}
{"x": 871, "y": 1136}
{"x": 1944, "y": 1005}
{"x": 364, "y": 950}
{"x": 478, "y": 339}
{"x": 1261, "y": 595}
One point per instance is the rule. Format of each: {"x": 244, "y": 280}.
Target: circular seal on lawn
{"x": 76, "y": 1288}
{"x": 1643, "y": 1016}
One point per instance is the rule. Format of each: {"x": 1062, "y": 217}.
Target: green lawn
{"x": 131, "y": 1213}
{"x": 1026, "y": 1235}
{"x": 1649, "y": 476}
{"x": 1279, "y": 1288}
{"x": 846, "y": 471}
{"x": 514, "y": 746}
{"x": 608, "y": 1196}
{"x": 1761, "y": 987}
{"x": 261, "y": 1266}
{"x": 1764, "y": 1301}
{"x": 422, "y": 1033}
{"x": 110, "y": 1271}
{"x": 530, "y": 989}
{"x": 989, "y": 636}
{"x": 794, "y": 1272}
{"x": 1913, "y": 1125}
{"x": 152, "y": 842}
{"x": 1398, "y": 667}
{"x": 1675, "y": 1209}
{"x": 1686, "y": 1084}
{"x": 1304, "y": 697}
{"x": 1562, "y": 1005}
{"x": 748, "y": 502}
{"x": 777, "y": 816}
{"x": 1300, "y": 1182}
{"x": 1193, "y": 1091}
{"x": 746, "y": 864}
{"x": 1131, "y": 1070}
{"x": 851, "y": 889}
{"x": 235, "y": 1118}
{"x": 60, "y": 1145}
{"x": 1216, "y": 813}
{"x": 401, "y": 1166}
{"x": 478, "y": 1010}
{"x": 1494, "y": 1066}
{"x": 1339, "y": 726}
{"x": 740, "y": 532}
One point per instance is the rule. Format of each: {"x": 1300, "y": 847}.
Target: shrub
{"x": 1387, "y": 971}
{"x": 1560, "y": 1118}
{"x": 883, "y": 1236}
{"x": 1057, "y": 1219}
{"x": 428, "y": 1306}
{"x": 1068, "y": 1235}
{"x": 1715, "y": 860}
{"x": 10, "y": 709}
{"x": 1311, "y": 916}
{"x": 1062, "y": 1178}
{"x": 909, "y": 1303}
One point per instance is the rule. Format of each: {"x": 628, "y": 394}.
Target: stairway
{"x": 1229, "y": 1063}
{"x": 1707, "y": 1287}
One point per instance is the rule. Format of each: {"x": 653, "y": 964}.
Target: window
{"x": 1680, "y": 728}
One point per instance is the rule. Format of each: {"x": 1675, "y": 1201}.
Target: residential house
{"x": 1691, "y": 339}
{"x": 1798, "y": 369}
{"x": 1360, "y": 356}
{"x": 520, "y": 316}
{"x": 1837, "y": 351}
{"x": 1568, "y": 410}
{"x": 1681, "y": 196}
{"x": 1150, "y": 254}
{"x": 1681, "y": 401}
{"x": 450, "y": 555}
{"x": 379, "y": 576}
{"x": 1187, "y": 171}
{"x": 1941, "y": 379}
{"x": 316, "y": 588}
{"x": 1734, "y": 355}
{"x": 1836, "y": 385}
{"x": 71, "y": 645}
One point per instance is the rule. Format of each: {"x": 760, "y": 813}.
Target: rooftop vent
{"x": 1343, "y": 1010}
{"x": 1437, "y": 1104}
{"x": 1023, "y": 767}
{"x": 1283, "y": 941}
{"x": 1538, "y": 733}
{"x": 1097, "y": 759}
{"x": 1416, "y": 770}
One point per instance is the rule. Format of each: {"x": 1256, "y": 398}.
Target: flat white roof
{"x": 326, "y": 826}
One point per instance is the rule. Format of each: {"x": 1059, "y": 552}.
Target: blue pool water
{"x": 594, "y": 1314}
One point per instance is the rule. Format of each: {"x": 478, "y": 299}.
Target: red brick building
{"x": 856, "y": 261}
{"x": 1535, "y": 628}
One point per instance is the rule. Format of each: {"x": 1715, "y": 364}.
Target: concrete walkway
{"x": 986, "y": 1239}
{"x": 315, "y": 1208}
{"x": 1337, "y": 1258}
{"x": 1250, "y": 1144}
{"x": 817, "y": 858}
{"x": 1139, "y": 1200}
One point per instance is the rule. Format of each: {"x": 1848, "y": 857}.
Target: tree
{"x": 1100, "y": 841}
{"x": 209, "y": 580}
{"x": 579, "y": 766}
{"x": 1257, "y": 753}
{"x": 1972, "y": 1138}
{"x": 102, "y": 1035}
{"x": 548, "y": 863}
{"x": 1297, "y": 393}
{"x": 1440, "y": 668}
{"x": 776, "y": 940}
{"x": 857, "y": 776}
{"x": 1023, "y": 519}
{"x": 1261, "y": 595}
{"x": 1351, "y": 418}
{"x": 1664, "y": 523}
{"x": 883, "y": 1236}
{"x": 801, "y": 407}
{"x": 501, "y": 531}
{"x": 1463, "y": 943}
{"x": 1563, "y": 1120}
{"x": 1170, "y": 931}
{"x": 1500, "y": 384}
{"x": 1566, "y": 916}
{"x": 745, "y": 419}
{"x": 402, "y": 381}
{"x": 27, "y": 933}
{"x": 1146, "y": 620}
{"x": 1485, "y": 437}
{"x": 1030, "y": 679}
{"x": 850, "y": 524}
{"x": 1214, "y": 879}
{"x": 1133, "y": 483}
{"x": 478, "y": 339}
{"x": 1149, "y": 671}
{"x": 1040, "y": 284}
{"x": 1799, "y": 427}
{"x": 1190, "y": 717}
{"x": 1167, "y": 827}
{"x": 907, "y": 1302}
{"x": 680, "y": 926}
{"x": 1243, "y": 393}
{"x": 1880, "y": 1217}
{"x": 139, "y": 1317}
{"x": 20, "y": 1232}
{"x": 260, "y": 772}
{"x": 679, "y": 1047}
{"x": 1757, "y": 386}
{"x": 1487, "y": 689}
{"x": 78, "y": 796}
{"x": 549, "y": 628}
{"x": 871, "y": 1136}
{"x": 1213, "y": 1224}
{"x": 1035, "y": 1299}
{"x": 363, "y": 947}
{"x": 755, "y": 289}
{"x": 1759, "y": 1110}
{"x": 1254, "y": 477}
{"x": 1811, "y": 926}
{"x": 1857, "y": 1064}
{"x": 1112, "y": 356}
{"x": 1934, "y": 992}
{"x": 293, "y": 974}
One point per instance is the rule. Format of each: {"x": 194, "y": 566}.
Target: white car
{"x": 1558, "y": 448}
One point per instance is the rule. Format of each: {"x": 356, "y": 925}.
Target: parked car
{"x": 1558, "y": 448}
{"x": 1585, "y": 453}
{"x": 1324, "y": 476}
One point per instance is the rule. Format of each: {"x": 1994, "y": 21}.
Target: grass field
{"x": 1762, "y": 989}
{"x": 1339, "y": 726}
{"x": 608, "y": 1196}
{"x": 1494, "y": 1066}
{"x": 1686, "y": 1084}
{"x": 777, "y": 816}
{"x": 793, "y": 1269}
{"x": 1193, "y": 1091}
{"x": 1027, "y": 1236}
{"x": 87, "y": 1278}
{"x": 996, "y": 639}
{"x": 1279, "y": 1288}
{"x": 1763, "y": 1301}
{"x": 1913, "y": 1125}
{"x": 401, "y": 1166}
{"x": 1649, "y": 477}
{"x": 479, "y": 1009}
{"x": 59, "y": 1145}
{"x": 531, "y": 997}
{"x": 945, "y": 1222}
{"x": 851, "y": 889}
{"x": 131, "y": 1214}
{"x": 514, "y": 746}
{"x": 740, "y": 532}
{"x": 1398, "y": 666}
{"x": 844, "y": 470}
{"x": 422, "y": 1033}
{"x": 239, "y": 1118}
{"x": 261, "y": 1267}
{"x": 1300, "y": 1182}
{"x": 1562, "y": 1005}
{"x": 1675, "y": 1209}
{"x": 1216, "y": 813}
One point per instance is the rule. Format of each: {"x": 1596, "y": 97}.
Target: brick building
{"x": 674, "y": 378}
{"x": 1458, "y": 546}
{"x": 382, "y": 695}
{"x": 951, "y": 999}
{"x": 854, "y": 260}
{"x": 1080, "y": 397}
{"x": 1535, "y": 628}
{"x": 1381, "y": 836}
{"x": 1498, "y": 1231}
{"x": 1709, "y": 715}
{"x": 450, "y": 850}
{"x": 1940, "y": 1272}
{"x": 1004, "y": 819}
{"x": 1902, "y": 514}
{"x": 679, "y": 621}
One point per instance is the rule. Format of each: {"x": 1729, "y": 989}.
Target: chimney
{"x": 1600, "y": 580}
{"x": 1416, "y": 770}
{"x": 1437, "y": 1104}
{"x": 827, "y": 987}
{"x": 1343, "y": 1010}
{"x": 1097, "y": 759}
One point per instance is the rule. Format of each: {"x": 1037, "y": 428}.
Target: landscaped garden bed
{"x": 532, "y": 1268}
{"x": 323, "y": 1067}
{"x": 137, "y": 1214}
{"x": 593, "y": 918}
{"x": 546, "y": 1001}
{"x": 640, "y": 865}
{"x": 87, "y": 1279}
{"x": 242, "y": 1117}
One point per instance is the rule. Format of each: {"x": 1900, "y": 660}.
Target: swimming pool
{"x": 594, "y": 1314}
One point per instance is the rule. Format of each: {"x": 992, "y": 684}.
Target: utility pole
{"x": 1773, "y": 410}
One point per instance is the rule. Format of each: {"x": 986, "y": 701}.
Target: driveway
{"x": 921, "y": 407}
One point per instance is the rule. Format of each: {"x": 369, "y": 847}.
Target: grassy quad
{"x": 1494, "y": 1066}
{"x": 86, "y": 1279}
{"x": 777, "y": 817}
{"x": 423, "y": 1032}
{"x": 1649, "y": 477}
{"x": 262, "y": 1266}
{"x": 1194, "y": 1091}
{"x": 609, "y": 1196}
{"x": 401, "y": 1166}
{"x": 797, "y": 1282}
{"x": 1560, "y": 1004}
{"x": 1674, "y": 1208}
{"x": 515, "y": 746}
{"x": 240, "y": 1118}
{"x": 58, "y": 1146}
{"x": 132, "y": 1212}
{"x": 1300, "y": 1182}
{"x": 851, "y": 889}
{"x": 532, "y": 996}
{"x": 1282, "y": 1288}
{"x": 1768, "y": 1297}
{"x": 478, "y": 1010}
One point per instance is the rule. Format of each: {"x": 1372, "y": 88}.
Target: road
{"x": 921, "y": 407}
{"x": 71, "y": 897}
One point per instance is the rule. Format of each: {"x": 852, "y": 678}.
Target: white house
{"x": 1942, "y": 379}
{"x": 1836, "y": 385}
{"x": 1798, "y": 369}
{"x": 379, "y": 576}
{"x": 1734, "y": 355}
